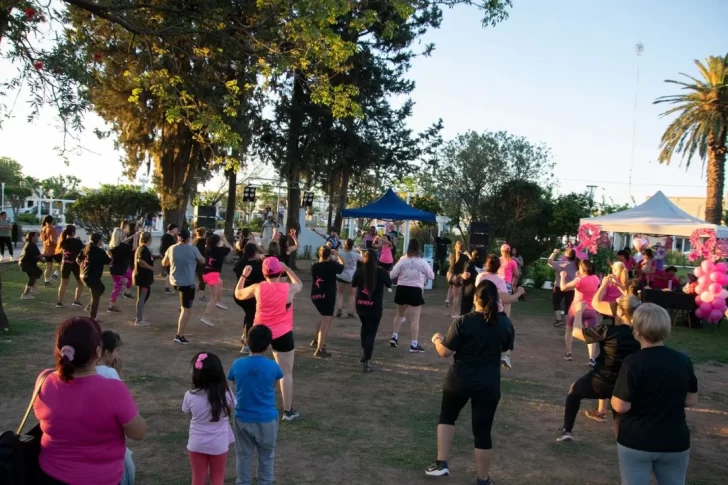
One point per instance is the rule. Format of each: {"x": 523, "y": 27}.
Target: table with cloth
{"x": 677, "y": 303}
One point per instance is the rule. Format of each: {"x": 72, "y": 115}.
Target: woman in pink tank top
{"x": 274, "y": 309}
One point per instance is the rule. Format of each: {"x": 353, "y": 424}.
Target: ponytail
{"x": 486, "y": 295}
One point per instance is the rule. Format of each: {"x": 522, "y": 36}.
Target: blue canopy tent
{"x": 390, "y": 207}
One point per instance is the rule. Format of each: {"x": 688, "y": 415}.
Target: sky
{"x": 559, "y": 72}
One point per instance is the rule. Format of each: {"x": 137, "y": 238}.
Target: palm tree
{"x": 701, "y": 126}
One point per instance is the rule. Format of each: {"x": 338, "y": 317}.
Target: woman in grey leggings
{"x": 653, "y": 388}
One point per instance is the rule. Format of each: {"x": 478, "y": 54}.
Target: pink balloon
{"x": 707, "y": 296}
{"x": 715, "y": 277}
{"x": 719, "y": 304}
{"x": 723, "y": 294}
{"x": 700, "y": 313}
{"x": 706, "y": 308}
{"x": 698, "y": 301}
{"x": 723, "y": 279}
{"x": 707, "y": 266}
{"x": 721, "y": 267}
{"x": 698, "y": 272}
{"x": 704, "y": 281}
{"x": 715, "y": 288}
{"x": 715, "y": 316}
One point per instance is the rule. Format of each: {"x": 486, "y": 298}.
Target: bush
{"x": 676, "y": 258}
{"x": 256, "y": 225}
{"x": 27, "y": 219}
{"x": 540, "y": 272}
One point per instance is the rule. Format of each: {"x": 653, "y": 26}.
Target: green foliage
{"x": 427, "y": 203}
{"x": 27, "y": 218}
{"x": 11, "y": 171}
{"x": 567, "y": 210}
{"x": 540, "y": 272}
{"x": 475, "y": 166}
{"x": 15, "y": 196}
{"x": 112, "y": 205}
{"x": 256, "y": 224}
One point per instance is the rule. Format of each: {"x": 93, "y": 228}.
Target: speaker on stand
{"x": 479, "y": 238}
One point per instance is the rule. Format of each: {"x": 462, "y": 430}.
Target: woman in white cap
{"x": 508, "y": 271}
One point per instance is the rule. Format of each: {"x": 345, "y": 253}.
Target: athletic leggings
{"x": 142, "y": 297}
{"x": 248, "y": 307}
{"x": 587, "y": 386}
{"x": 200, "y": 271}
{"x": 6, "y": 242}
{"x": 119, "y": 281}
{"x": 558, "y": 296}
{"x": 369, "y": 327}
{"x": 34, "y": 273}
{"x": 201, "y": 463}
{"x": 483, "y": 405}
{"x": 97, "y": 289}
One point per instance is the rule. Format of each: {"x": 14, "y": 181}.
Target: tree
{"x": 567, "y": 211}
{"x": 61, "y": 186}
{"x": 427, "y": 203}
{"x": 15, "y": 196}
{"x": 701, "y": 126}
{"x": 111, "y": 206}
{"x": 473, "y": 167}
{"x": 519, "y": 212}
{"x": 11, "y": 171}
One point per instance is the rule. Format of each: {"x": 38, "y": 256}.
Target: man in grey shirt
{"x": 5, "y": 233}
{"x": 182, "y": 259}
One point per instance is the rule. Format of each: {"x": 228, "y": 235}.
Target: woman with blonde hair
{"x": 120, "y": 268}
{"x": 615, "y": 342}
{"x": 653, "y": 388}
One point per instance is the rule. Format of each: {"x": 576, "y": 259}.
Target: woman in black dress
{"x": 458, "y": 262}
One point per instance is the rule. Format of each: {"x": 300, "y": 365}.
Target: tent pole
{"x": 406, "y": 229}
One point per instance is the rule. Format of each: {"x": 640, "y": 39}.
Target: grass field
{"x": 368, "y": 428}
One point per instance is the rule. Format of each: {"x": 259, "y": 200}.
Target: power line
{"x": 602, "y": 182}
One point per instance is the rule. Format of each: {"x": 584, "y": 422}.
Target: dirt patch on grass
{"x": 360, "y": 428}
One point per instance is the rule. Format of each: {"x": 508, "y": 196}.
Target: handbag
{"x": 19, "y": 451}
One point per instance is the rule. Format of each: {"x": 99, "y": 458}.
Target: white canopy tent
{"x": 659, "y": 216}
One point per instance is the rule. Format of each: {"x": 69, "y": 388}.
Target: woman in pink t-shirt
{"x": 508, "y": 271}
{"x": 386, "y": 252}
{"x": 274, "y": 309}
{"x": 585, "y": 285}
{"x": 85, "y": 418}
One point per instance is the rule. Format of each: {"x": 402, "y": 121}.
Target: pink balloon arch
{"x": 711, "y": 294}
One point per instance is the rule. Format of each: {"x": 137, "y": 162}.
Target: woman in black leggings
{"x": 369, "y": 282}
{"x": 477, "y": 340}
{"x": 248, "y": 258}
{"x": 92, "y": 261}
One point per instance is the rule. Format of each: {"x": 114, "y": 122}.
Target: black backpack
{"x": 19, "y": 452}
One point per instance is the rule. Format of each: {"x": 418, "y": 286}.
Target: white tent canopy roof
{"x": 659, "y": 216}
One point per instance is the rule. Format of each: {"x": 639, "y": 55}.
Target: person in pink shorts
{"x": 585, "y": 285}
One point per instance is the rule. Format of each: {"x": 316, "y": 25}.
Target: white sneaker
{"x": 10, "y": 258}
{"x": 221, "y": 306}
{"x": 505, "y": 361}
{"x": 27, "y": 296}
{"x": 142, "y": 323}
{"x": 207, "y": 322}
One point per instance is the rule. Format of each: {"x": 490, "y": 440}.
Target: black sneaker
{"x": 394, "y": 342}
{"x": 77, "y": 304}
{"x": 113, "y": 309}
{"x": 368, "y": 366}
{"x": 437, "y": 469}
{"x": 321, "y": 354}
{"x": 564, "y": 436}
{"x": 181, "y": 340}
{"x": 59, "y": 305}
{"x": 487, "y": 481}
{"x": 313, "y": 344}
{"x": 289, "y": 415}
{"x": 350, "y": 315}
{"x": 339, "y": 314}
{"x": 168, "y": 291}
{"x": 48, "y": 284}
{"x": 567, "y": 357}
{"x": 559, "y": 323}
{"x": 416, "y": 349}
{"x": 128, "y": 296}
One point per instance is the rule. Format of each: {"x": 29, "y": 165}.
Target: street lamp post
{"x": 591, "y": 191}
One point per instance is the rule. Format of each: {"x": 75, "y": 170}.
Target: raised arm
{"x": 295, "y": 285}
{"x": 248, "y": 292}
{"x": 552, "y": 257}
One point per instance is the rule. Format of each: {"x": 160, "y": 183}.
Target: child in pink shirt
{"x": 210, "y": 403}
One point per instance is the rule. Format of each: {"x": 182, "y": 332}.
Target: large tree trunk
{"x": 716, "y": 177}
{"x": 343, "y": 195}
{"x": 293, "y": 162}
{"x": 176, "y": 166}
{"x": 232, "y": 176}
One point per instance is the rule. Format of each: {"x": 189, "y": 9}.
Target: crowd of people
{"x": 647, "y": 384}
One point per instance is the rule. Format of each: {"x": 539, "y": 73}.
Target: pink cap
{"x": 505, "y": 247}
{"x": 271, "y": 265}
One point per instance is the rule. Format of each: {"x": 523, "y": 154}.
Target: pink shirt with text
{"x": 83, "y": 429}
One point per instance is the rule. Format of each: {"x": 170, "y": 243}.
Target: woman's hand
{"x": 606, "y": 280}
{"x": 437, "y": 337}
{"x": 520, "y": 291}
{"x": 246, "y": 271}
{"x": 118, "y": 364}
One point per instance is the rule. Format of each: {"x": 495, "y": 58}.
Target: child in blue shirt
{"x": 256, "y": 416}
